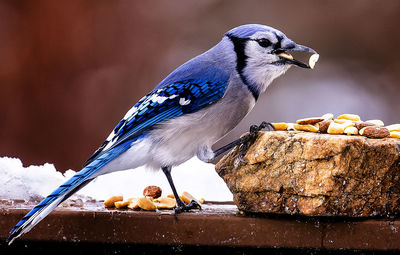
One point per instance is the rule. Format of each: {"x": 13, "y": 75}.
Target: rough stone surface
{"x": 316, "y": 175}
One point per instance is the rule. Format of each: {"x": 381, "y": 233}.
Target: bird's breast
{"x": 181, "y": 138}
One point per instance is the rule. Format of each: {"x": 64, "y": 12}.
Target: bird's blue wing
{"x": 165, "y": 103}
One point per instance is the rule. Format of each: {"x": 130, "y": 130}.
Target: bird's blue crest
{"x": 248, "y": 30}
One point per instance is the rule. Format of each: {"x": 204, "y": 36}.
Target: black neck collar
{"x": 239, "y": 45}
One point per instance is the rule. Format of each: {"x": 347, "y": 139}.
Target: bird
{"x": 186, "y": 113}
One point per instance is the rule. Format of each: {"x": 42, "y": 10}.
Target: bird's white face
{"x": 263, "y": 56}
{"x": 263, "y": 65}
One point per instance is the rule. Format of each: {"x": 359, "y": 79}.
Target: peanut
{"x": 165, "y": 203}
{"x": 378, "y": 123}
{"x": 152, "y": 191}
{"x": 349, "y": 116}
{"x": 110, "y": 201}
{"x": 375, "y": 132}
{"x": 187, "y": 197}
{"x": 123, "y": 204}
{"x": 348, "y": 124}
{"x": 335, "y": 128}
{"x": 280, "y": 126}
{"x": 341, "y": 121}
{"x": 394, "y": 134}
{"x": 313, "y": 59}
{"x": 290, "y": 126}
{"x": 323, "y": 125}
{"x": 361, "y": 124}
{"x": 285, "y": 55}
{"x": 351, "y": 130}
{"x": 146, "y": 204}
{"x": 309, "y": 128}
{"x": 394, "y": 127}
{"x": 133, "y": 204}
{"x": 310, "y": 121}
{"x": 327, "y": 116}
{"x": 120, "y": 204}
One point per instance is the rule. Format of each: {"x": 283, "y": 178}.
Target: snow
{"x": 33, "y": 183}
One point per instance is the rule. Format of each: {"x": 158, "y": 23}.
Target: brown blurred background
{"x": 69, "y": 70}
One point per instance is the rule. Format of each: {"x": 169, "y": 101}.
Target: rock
{"x": 316, "y": 175}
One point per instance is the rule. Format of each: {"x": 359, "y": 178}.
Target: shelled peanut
{"x": 110, "y": 202}
{"x": 349, "y": 124}
{"x": 151, "y": 201}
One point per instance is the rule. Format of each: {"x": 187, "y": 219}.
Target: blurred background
{"x": 69, "y": 70}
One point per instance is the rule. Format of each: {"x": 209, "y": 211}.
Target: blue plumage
{"x": 186, "y": 113}
{"x": 162, "y": 104}
{"x": 246, "y": 31}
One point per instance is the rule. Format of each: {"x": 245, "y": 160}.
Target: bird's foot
{"x": 245, "y": 141}
{"x": 250, "y": 138}
{"x": 182, "y": 207}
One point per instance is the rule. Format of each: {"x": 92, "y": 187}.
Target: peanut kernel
{"x": 335, "y": 128}
{"x": 146, "y": 204}
{"x": 133, "y": 204}
{"x": 341, "y": 121}
{"x": 323, "y": 126}
{"x": 395, "y": 134}
{"x": 110, "y": 201}
{"x": 327, "y": 116}
{"x": 313, "y": 59}
{"x": 375, "y": 132}
{"x": 309, "y": 128}
{"x": 351, "y": 130}
{"x": 165, "y": 203}
{"x": 394, "y": 127}
{"x": 280, "y": 126}
{"x": 187, "y": 197}
{"x": 310, "y": 121}
{"x": 348, "y": 116}
{"x": 376, "y": 122}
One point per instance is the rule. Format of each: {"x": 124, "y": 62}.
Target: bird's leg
{"x": 181, "y": 206}
{"x": 230, "y": 146}
{"x": 244, "y": 141}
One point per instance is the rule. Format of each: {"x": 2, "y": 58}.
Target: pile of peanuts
{"x": 151, "y": 201}
{"x": 349, "y": 124}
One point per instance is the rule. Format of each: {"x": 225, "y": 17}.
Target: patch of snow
{"x": 27, "y": 183}
{"x": 33, "y": 183}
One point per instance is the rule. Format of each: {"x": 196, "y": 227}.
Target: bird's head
{"x": 263, "y": 54}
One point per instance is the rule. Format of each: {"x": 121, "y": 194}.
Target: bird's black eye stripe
{"x": 264, "y": 42}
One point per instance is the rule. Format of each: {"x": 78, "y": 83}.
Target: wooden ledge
{"x": 216, "y": 225}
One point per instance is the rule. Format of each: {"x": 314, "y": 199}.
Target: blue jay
{"x": 186, "y": 113}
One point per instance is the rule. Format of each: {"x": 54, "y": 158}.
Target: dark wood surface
{"x": 217, "y": 224}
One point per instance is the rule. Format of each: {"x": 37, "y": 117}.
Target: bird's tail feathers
{"x": 40, "y": 211}
{"x": 75, "y": 183}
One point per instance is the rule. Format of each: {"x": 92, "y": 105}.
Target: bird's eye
{"x": 264, "y": 43}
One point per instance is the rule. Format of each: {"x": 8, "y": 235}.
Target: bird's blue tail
{"x": 75, "y": 183}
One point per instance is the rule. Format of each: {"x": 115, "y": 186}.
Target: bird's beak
{"x": 288, "y": 58}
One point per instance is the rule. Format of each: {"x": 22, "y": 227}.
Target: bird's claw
{"x": 187, "y": 207}
{"x": 254, "y": 129}
{"x": 249, "y": 138}
{"x": 244, "y": 147}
